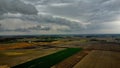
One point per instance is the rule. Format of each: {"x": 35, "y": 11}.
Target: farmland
{"x": 22, "y": 56}
{"x": 50, "y": 60}
{"x": 100, "y": 59}
{"x": 60, "y": 51}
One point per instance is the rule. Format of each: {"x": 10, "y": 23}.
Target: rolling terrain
{"x": 23, "y": 51}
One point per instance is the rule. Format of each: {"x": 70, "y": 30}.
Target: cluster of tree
{"x": 7, "y": 40}
{"x": 97, "y": 40}
{"x": 118, "y": 39}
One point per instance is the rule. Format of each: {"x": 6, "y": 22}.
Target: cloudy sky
{"x": 23, "y": 17}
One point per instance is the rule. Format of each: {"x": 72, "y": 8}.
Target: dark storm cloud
{"x": 47, "y": 19}
{"x": 86, "y": 10}
{"x": 16, "y": 6}
{"x": 59, "y": 23}
{"x": 82, "y": 16}
{"x": 89, "y": 10}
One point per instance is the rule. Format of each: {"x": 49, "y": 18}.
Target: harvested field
{"x": 4, "y": 66}
{"x": 100, "y": 59}
{"x": 14, "y": 45}
{"x": 71, "y": 61}
{"x": 15, "y": 57}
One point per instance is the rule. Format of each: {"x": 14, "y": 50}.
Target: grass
{"x": 49, "y": 60}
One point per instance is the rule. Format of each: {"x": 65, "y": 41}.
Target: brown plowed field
{"x": 71, "y": 61}
{"x": 100, "y": 59}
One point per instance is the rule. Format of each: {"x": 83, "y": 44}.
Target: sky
{"x": 31, "y": 17}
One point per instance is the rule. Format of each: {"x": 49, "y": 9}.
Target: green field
{"x": 49, "y": 60}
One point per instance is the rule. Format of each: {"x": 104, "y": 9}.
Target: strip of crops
{"x": 49, "y": 60}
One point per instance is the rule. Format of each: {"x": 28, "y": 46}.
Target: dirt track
{"x": 100, "y": 59}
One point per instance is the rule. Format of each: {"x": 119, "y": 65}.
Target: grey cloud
{"x": 64, "y": 15}
{"x": 94, "y": 11}
{"x": 19, "y": 25}
{"x": 16, "y": 30}
{"x": 44, "y": 22}
{"x": 39, "y": 27}
{"x": 16, "y": 6}
{"x": 46, "y": 2}
{"x": 29, "y": 29}
{"x": 55, "y": 20}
